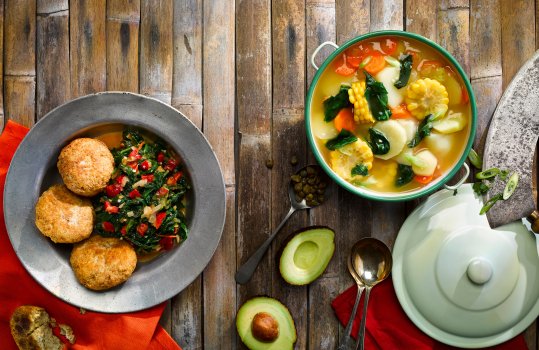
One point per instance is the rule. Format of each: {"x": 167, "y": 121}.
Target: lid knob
{"x": 479, "y": 271}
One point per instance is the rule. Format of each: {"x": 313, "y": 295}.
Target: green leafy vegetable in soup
{"x": 334, "y": 104}
{"x": 344, "y": 138}
{"x": 405, "y": 70}
{"x": 144, "y": 202}
{"x": 376, "y": 95}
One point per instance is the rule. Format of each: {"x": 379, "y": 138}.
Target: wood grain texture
{"x": 352, "y": 17}
{"x": 454, "y": 34}
{"x": 320, "y": 22}
{"x": 187, "y": 56}
{"x": 219, "y": 113}
{"x": 387, "y": 14}
{"x": 487, "y": 93}
{"x": 53, "y": 85}
{"x": 485, "y": 38}
{"x": 156, "y": 49}
{"x": 421, "y": 17}
{"x": 518, "y": 31}
{"x": 19, "y": 99}
{"x": 187, "y": 316}
{"x": 123, "y": 20}
{"x": 51, "y": 6}
{"x": 87, "y": 52}
{"x": 452, "y": 4}
{"x": 20, "y": 37}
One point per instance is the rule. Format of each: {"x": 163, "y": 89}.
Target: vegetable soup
{"x": 390, "y": 114}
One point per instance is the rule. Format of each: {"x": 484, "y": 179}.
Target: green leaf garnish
{"x": 378, "y": 142}
{"x": 423, "y": 131}
{"x": 344, "y": 138}
{"x": 490, "y": 203}
{"x": 406, "y": 69}
{"x": 510, "y": 186}
{"x": 405, "y": 174}
{"x": 334, "y": 104}
{"x": 360, "y": 169}
{"x": 480, "y": 188}
{"x": 475, "y": 159}
{"x": 488, "y": 174}
{"x": 376, "y": 95}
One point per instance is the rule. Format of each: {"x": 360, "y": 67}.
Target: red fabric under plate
{"x": 388, "y": 327}
{"x": 137, "y": 330}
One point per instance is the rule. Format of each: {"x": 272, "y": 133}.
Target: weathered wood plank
{"x": 352, "y": 17}
{"x": 2, "y": 65}
{"x": 156, "y": 49}
{"x": 253, "y": 77}
{"x": 51, "y": 6}
{"x": 186, "y": 316}
{"x": 219, "y": 113}
{"x": 452, "y": 4}
{"x": 187, "y": 68}
{"x": 387, "y": 14}
{"x": 518, "y": 36}
{"x": 53, "y": 86}
{"x": 421, "y": 17}
{"x": 487, "y": 93}
{"x": 123, "y": 20}
{"x": 19, "y": 104}
{"x": 485, "y": 38}
{"x": 320, "y": 28}
{"x": 20, "y": 37}
{"x": 288, "y": 24}
{"x": 219, "y": 286}
{"x": 454, "y": 34}
{"x": 87, "y": 46}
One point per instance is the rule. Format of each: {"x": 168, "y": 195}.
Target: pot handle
{"x": 461, "y": 181}
{"x": 320, "y": 48}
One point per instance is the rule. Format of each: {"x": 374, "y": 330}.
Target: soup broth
{"x": 391, "y": 115}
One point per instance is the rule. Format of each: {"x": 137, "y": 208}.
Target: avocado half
{"x": 307, "y": 254}
{"x": 247, "y": 329}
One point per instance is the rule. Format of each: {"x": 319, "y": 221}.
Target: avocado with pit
{"x": 307, "y": 254}
{"x": 265, "y": 324}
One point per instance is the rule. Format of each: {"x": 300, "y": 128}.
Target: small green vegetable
{"x": 376, "y": 95}
{"x": 334, "y": 104}
{"x": 406, "y": 69}
{"x": 392, "y": 61}
{"x": 490, "y": 203}
{"x": 378, "y": 142}
{"x": 365, "y": 61}
{"x": 344, "y": 138}
{"x": 405, "y": 174}
{"x": 480, "y": 188}
{"x": 504, "y": 174}
{"x": 423, "y": 131}
{"x": 360, "y": 169}
{"x": 487, "y": 174}
{"x": 510, "y": 186}
{"x": 475, "y": 159}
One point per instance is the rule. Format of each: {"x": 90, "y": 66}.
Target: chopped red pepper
{"x": 167, "y": 242}
{"x": 133, "y": 165}
{"x": 134, "y": 154}
{"x": 134, "y": 194}
{"x": 162, "y": 192}
{"x": 148, "y": 177}
{"x": 160, "y": 157}
{"x": 123, "y": 231}
{"x": 159, "y": 218}
{"x": 145, "y": 165}
{"x": 113, "y": 190}
{"x": 111, "y": 209}
{"x": 120, "y": 178}
{"x": 142, "y": 228}
{"x": 108, "y": 226}
{"x": 171, "y": 164}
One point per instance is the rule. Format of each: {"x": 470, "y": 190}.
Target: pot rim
{"x": 379, "y": 196}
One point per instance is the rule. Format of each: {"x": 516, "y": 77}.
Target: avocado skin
{"x": 287, "y": 329}
{"x": 289, "y": 238}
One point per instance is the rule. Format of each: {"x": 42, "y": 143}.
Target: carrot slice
{"x": 354, "y": 61}
{"x": 344, "y": 68}
{"x": 423, "y": 179}
{"x": 388, "y": 46}
{"x": 376, "y": 64}
{"x": 400, "y": 112}
{"x": 464, "y": 98}
{"x": 345, "y": 120}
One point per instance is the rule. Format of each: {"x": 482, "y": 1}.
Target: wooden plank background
{"x": 239, "y": 70}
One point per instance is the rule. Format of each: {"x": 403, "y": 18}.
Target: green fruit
{"x": 265, "y": 324}
{"x": 306, "y": 256}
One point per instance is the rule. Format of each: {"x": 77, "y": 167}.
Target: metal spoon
{"x": 346, "y": 340}
{"x": 245, "y": 272}
{"x": 372, "y": 261}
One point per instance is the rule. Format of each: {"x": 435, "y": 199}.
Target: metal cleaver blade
{"x": 510, "y": 144}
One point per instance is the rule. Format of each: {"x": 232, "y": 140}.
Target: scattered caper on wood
{"x": 309, "y": 185}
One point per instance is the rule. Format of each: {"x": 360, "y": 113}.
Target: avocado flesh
{"x": 306, "y": 256}
{"x": 287, "y": 329}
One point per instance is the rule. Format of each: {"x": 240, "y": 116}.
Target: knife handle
{"x": 533, "y": 218}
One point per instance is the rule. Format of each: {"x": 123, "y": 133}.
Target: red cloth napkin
{"x": 388, "y": 327}
{"x": 137, "y": 330}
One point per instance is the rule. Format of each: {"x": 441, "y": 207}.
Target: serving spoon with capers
{"x": 305, "y": 190}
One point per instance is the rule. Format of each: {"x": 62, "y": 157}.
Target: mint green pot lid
{"x": 379, "y": 196}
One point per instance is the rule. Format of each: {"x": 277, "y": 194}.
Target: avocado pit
{"x": 264, "y": 327}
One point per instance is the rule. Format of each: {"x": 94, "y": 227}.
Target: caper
{"x": 296, "y": 178}
{"x": 298, "y": 187}
{"x": 294, "y": 160}
{"x": 301, "y": 194}
{"x": 309, "y": 197}
{"x": 311, "y": 181}
{"x": 307, "y": 189}
{"x": 304, "y": 180}
{"x": 303, "y": 173}
{"x": 311, "y": 170}
{"x": 314, "y": 203}
{"x": 321, "y": 198}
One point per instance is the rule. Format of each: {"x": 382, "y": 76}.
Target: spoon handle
{"x": 346, "y": 340}
{"x": 245, "y": 272}
{"x": 361, "y": 336}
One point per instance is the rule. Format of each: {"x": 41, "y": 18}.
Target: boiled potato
{"x": 440, "y": 144}
{"x": 405, "y": 156}
{"x": 321, "y": 129}
{"x": 395, "y": 134}
{"x": 388, "y": 76}
{"x": 451, "y": 123}
{"x": 424, "y": 163}
{"x": 410, "y": 126}
{"x": 454, "y": 90}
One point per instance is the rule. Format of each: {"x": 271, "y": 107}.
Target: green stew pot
{"x": 390, "y": 196}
